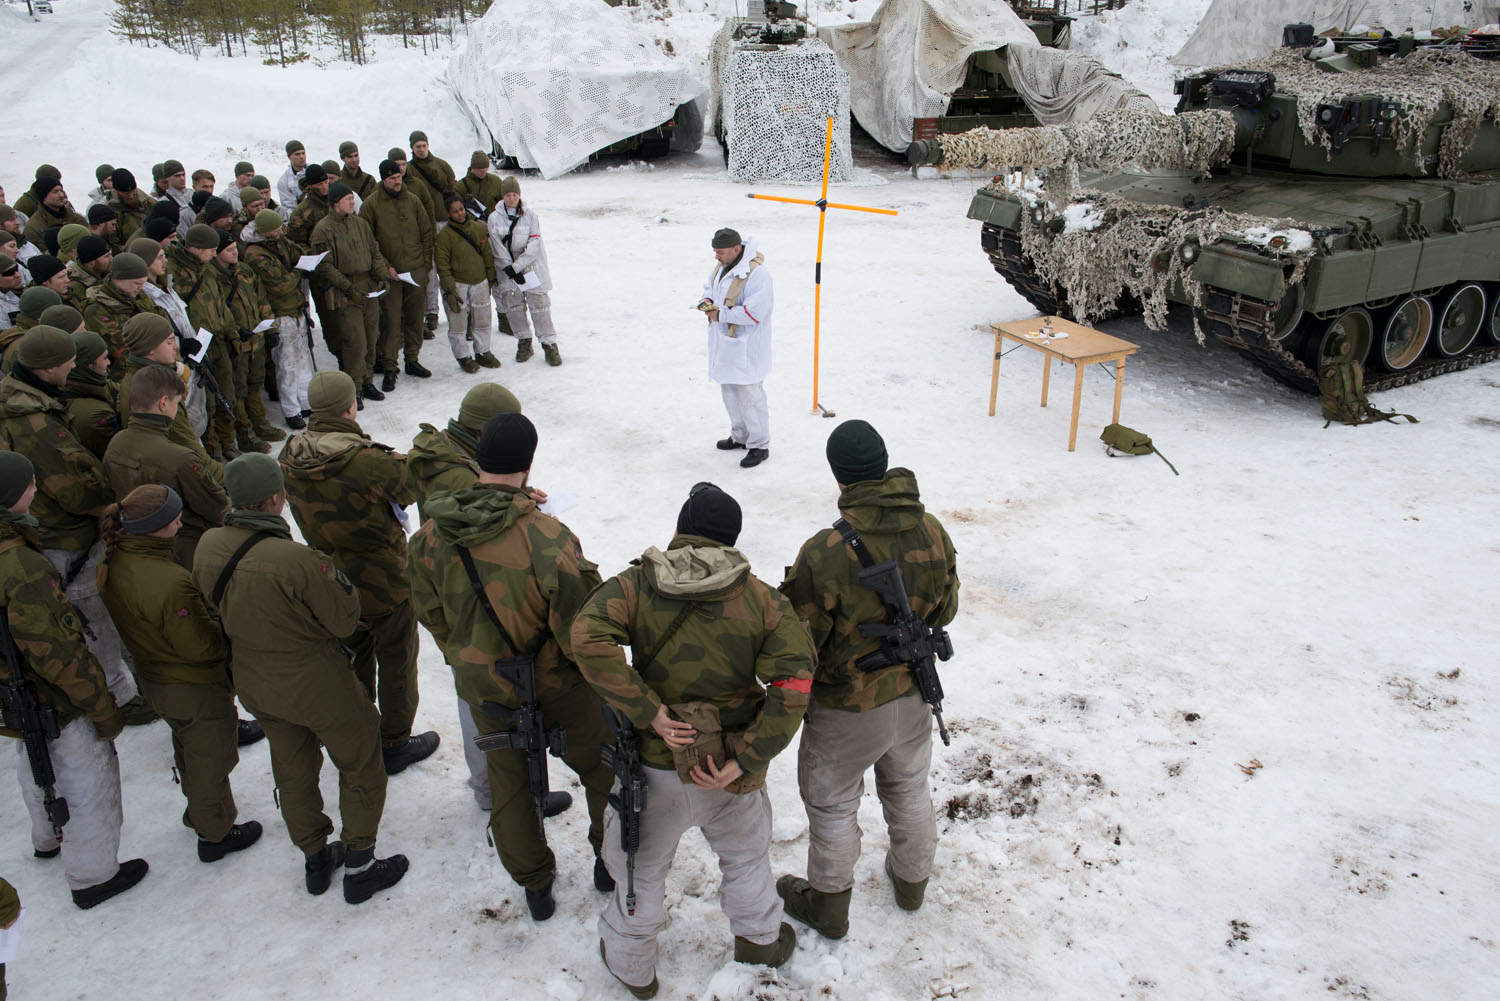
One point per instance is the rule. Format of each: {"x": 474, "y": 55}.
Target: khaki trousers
{"x": 358, "y": 326}
{"x": 205, "y": 748}
{"x": 390, "y": 640}
{"x": 837, "y": 748}
{"x": 401, "y": 321}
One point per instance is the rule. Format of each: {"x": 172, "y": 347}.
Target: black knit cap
{"x": 726, "y": 238}
{"x": 156, "y": 229}
{"x": 42, "y": 187}
{"x": 91, "y": 248}
{"x": 856, "y": 453}
{"x": 199, "y": 200}
{"x": 507, "y": 444}
{"x": 389, "y": 167}
{"x": 711, "y": 513}
{"x": 165, "y": 208}
{"x": 122, "y": 180}
{"x": 217, "y": 208}
{"x": 43, "y": 267}
{"x": 101, "y": 213}
{"x": 315, "y": 174}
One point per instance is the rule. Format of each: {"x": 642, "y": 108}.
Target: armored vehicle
{"x": 1345, "y": 185}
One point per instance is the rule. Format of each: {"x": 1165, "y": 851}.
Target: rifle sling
{"x": 855, "y": 542}
{"x": 484, "y": 602}
{"x": 458, "y": 232}
{"x": 661, "y": 643}
{"x": 223, "y": 582}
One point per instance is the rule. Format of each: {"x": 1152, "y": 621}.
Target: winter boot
{"x": 644, "y": 993}
{"x": 469, "y": 365}
{"x": 523, "y": 349}
{"x": 365, "y": 875}
{"x": 603, "y": 881}
{"x": 540, "y": 902}
{"x": 487, "y": 360}
{"x": 416, "y": 368}
{"x": 240, "y": 837}
{"x": 388, "y": 381}
{"x": 774, "y": 954}
{"x": 369, "y": 392}
{"x": 296, "y": 422}
{"x": 825, "y": 913}
{"x": 908, "y": 895}
{"x": 129, "y": 874}
{"x": 266, "y": 431}
{"x": 553, "y": 356}
{"x": 247, "y": 442}
{"x": 248, "y": 732}
{"x": 728, "y": 444}
{"x": 409, "y": 751}
{"x": 321, "y": 867}
{"x": 755, "y": 457}
{"x": 429, "y": 323}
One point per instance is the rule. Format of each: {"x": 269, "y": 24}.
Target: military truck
{"x": 1342, "y": 186}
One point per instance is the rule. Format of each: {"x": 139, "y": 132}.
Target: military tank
{"x": 1338, "y": 186}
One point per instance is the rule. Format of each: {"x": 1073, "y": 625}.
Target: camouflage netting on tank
{"x": 1132, "y": 250}
{"x": 1423, "y": 82}
{"x": 1114, "y": 140}
{"x": 772, "y": 105}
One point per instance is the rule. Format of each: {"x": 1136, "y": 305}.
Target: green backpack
{"x": 1341, "y": 388}
{"x": 1121, "y": 440}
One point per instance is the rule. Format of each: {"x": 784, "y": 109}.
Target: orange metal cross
{"x": 823, "y": 205}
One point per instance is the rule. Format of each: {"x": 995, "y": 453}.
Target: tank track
{"x": 1237, "y": 320}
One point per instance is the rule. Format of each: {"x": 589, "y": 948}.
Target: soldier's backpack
{"x": 1121, "y": 440}
{"x": 1341, "y": 388}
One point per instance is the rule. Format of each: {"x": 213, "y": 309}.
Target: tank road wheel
{"x": 1459, "y": 320}
{"x": 1287, "y": 314}
{"x": 1404, "y": 332}
{"x": 1491, "y": 325}
{"x": 1354, "y": 324}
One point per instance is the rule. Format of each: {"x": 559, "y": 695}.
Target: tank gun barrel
{"x": 1112, "y": 140}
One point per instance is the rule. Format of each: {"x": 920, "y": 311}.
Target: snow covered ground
{"x": 1311, "y": 599}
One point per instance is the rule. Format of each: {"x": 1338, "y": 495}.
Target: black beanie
{"x": 338, "y": 191}
{"x": 216, "y": 208}
{"x": 507, "y": 444}
{"x": 49, "y": 239}
{"x": 199, "y": 200}
{"x": 43, "y": 267}
{"x": 389, "y": 167}
{"x": 101, "y": 213}
{"x": 157, "y": 229}
{"x": 315, "y": 174}
{"x": 42, "y": 187}
{"x": 91, "y": 248}
{"x": 856, "y": 453}
{"x": 726, "y": 238}
{"x": 123, "y": 180}
{"x": 711, "y": 513}
{"x": 165, "y": 208}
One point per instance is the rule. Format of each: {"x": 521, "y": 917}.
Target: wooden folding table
{"x": 1068, "y": 342}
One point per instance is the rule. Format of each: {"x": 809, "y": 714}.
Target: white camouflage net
{"x": 1422, "y": 82}
{"x": 772, "y": 105}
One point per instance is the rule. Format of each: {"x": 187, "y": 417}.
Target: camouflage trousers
{"x": 737, "y": 828}
{"x": 515, "y": 827}
{"x": 344, "y": 723}
{"x": 249, "y": 376}
{"x": 205, "y": 728}
{"x": 389, "y": 641}
{"x": 88, "y": 777}
{"x": 99, "y": 630}
{"x": 837, "y": 749}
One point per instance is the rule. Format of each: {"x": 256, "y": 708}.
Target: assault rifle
{"x": 37, "y": 724}
{"x": 905, "y": 638}
{"x": 624, "y": 759}
{"x": 527, "y": 731}
{"x": 206, "y": 372}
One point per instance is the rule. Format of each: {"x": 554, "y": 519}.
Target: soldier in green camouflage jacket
{"x": 536, "y": 577}
{"x": 115, "y": 300}
{"x": 250, "y": 306}
{"x": 93, "y": 397}
{"x": 716, "y": 687}
{"x": 446, "y": 460}
{"x": 206, "y": 294}
{"x": 64, "y": 676}
{"x": 864, "y": 719}
{"x": 346, "y": 493}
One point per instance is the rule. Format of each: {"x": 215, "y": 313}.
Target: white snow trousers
{"x": 474, "y": 301}
{"x": 836, "y": 749}
{"x": 294, "y": 365}
{"x": 99, "y": 633}
{"x": 749, "y": 415}
{"x": 737, "y": 828}
{"x": 479, "y": 772}
{"x": 88, "y": 777}
{"x": 515, "y": 304}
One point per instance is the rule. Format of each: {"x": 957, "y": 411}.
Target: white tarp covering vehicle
{"x": 906, "y": 62}
{"x": 552, "y": 82}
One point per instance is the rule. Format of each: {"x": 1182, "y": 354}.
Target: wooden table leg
{"x": 1119, "y": 388}
{"x": 1046, "y": 375}
{"x": 995, "y": 373}
{"x": 1077, "y": 400}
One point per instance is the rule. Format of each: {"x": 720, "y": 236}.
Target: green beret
{"x": 144, "y": 331}
{"x": 37, "y": 299}
{"x": 243, "y": 167}
{"x": 510, "y": 184}
{"x": 477, "y": 159}
{"x": 171, "y": 167}
{"x": 201, "y": 236}
{"x": 88, "y": 345}
{"x": 62, "y": 316}
{"x": 43, "y": 347}
{"x": 102, "y": 172}
{"x": 47, "y": 170}
{"x": 856, "y": 453}
{"x": 69, "y": 235}
{"x": 267, "y": 221}
{"x": 346, "y": 147}
{"x": 417, "y": 137}
{"x": 126, "y": 266}
{"x": 293, "y": 146}
{"x": 485, "y": 401}
{"x": 252, "y": 478}
{"x": 331, "y": 393}
{"x": 16, "y": 474}
{"x": 248, "y": 195}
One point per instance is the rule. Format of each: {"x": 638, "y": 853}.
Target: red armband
{"x": 803, "y": 685}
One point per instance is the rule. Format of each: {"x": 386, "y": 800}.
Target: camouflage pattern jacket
{"x": 305, "y": 218}
{"x": 162, "y": 617}
{"x": 80, "y": 280}
{"x": 107, "y": 310}
{"x": 247, "y": 302}
{"x": 534, "y": 573}
{"x": 130, "y": 218}
{"x": 824, "y": 587}
{"x": 205, "y": 292}
{"x": 275, "y": 262}
{"x": 342, "y": 488}
{"x": 72, "y": 489}
{"x": 93, "y": 408}
{"x": 738, "y": 647}
{"x": 438, "y": 178}
{"x": 442, "y": 460}
{"x": 48, "y": 635}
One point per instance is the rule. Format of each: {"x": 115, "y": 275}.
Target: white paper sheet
{"x": 308, "y": 262}
{"x": 406, "y": 277}
{"x": 375, "y": 295}
{"x": 205, "y": 338}
{"x": 528, "y": 281}
{"x": 559, "y": 501}
{"x": 264, "y": 325}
